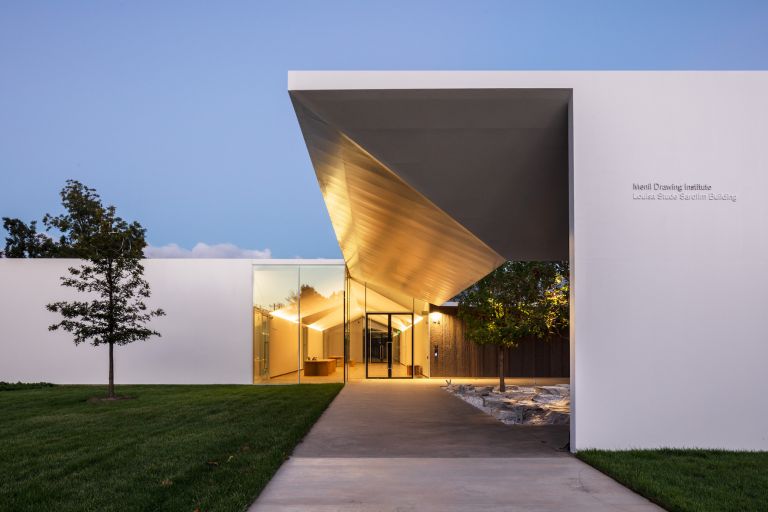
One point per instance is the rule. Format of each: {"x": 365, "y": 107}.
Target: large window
{"x": 298, "y": 333}
{"x": 309, "y": 319}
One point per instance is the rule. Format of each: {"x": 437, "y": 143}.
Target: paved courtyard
{"x": 409, "y": 445}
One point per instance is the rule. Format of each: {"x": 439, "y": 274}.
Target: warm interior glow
{"x": 416, "y": 319}
{"x": 292, "y": 318}
{"x": 435, "y": 316}
{"x": 279, "y": 313}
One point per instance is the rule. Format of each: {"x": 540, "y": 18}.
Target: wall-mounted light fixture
{"x": 435, "y": 317}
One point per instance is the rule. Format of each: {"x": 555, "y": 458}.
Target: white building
{"x": 650, "y": 183}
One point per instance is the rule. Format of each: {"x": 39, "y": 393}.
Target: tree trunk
{"x": 111, "y": 388}
{"x": 502, "y": 385}
{"x": 111, "y": 328}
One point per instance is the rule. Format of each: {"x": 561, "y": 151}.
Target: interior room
{"x": 302, "y": 315}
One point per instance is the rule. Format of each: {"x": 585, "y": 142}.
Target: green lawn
{"x": 690, "y": 480}
{"x": 171, "y": 448}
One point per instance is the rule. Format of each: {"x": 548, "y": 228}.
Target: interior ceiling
{"x": 320, "y": 312}
{"x": 429, "y": 190}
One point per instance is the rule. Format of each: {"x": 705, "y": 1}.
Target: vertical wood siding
{"x": 460, "y": 357}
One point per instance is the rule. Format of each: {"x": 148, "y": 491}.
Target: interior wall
{"x": 315, "y": 344}
{"x": 333, "y": 340}
{"x": 206, "y": 333}
{"x": 283, "y": 346}
{"x": 405, "y": 348}
{"x": 356, "y": 337}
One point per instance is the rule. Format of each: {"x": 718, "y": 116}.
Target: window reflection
{"x": 322, "y": 319}
{"x": 309, "y": 319}
{"x": 276, "y": 330}
{"x": 298, "y": 330}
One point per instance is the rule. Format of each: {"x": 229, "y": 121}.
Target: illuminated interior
{"x": 372, "y": 311}
{"x": 304, "y": 314}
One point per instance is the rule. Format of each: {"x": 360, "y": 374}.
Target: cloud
{"x": 203, "y": 250}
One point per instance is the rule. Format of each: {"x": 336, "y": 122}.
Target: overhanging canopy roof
{"x": 429, "y": 190}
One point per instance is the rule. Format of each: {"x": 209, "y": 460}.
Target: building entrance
{"x": 388, "y": 345}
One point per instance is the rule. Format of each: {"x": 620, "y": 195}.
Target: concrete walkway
{"x": 411, "y": 446}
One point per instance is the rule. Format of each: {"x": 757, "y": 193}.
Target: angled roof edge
{"x": 420, "y": 250}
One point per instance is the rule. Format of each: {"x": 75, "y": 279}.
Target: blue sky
{"x": 177, "y": 112}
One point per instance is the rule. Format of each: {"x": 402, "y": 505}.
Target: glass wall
{"x": 309, "y": 319}
{"x": 322, "y": 319}
{"x": 276, "y": 329}
{"x": 298, "y": 328}
{"x": 356, "y": 327}
{"x": 388, "y": 337}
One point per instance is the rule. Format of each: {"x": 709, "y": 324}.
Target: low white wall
{"x": 206, "y": 335}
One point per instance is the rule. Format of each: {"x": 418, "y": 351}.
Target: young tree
{"x": 113, "y": 311}
{"x": 516, "y": 300}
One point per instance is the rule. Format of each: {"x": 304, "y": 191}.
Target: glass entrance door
{"x": 389, "y": 345}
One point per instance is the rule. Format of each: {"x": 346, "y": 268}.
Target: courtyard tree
{"x": 517, "y": 300}
{"x": 110, "y": 277}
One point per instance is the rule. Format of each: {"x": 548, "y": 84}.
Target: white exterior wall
{"x": 670, "y": 301}
{"x": 206, "y": 333}
{"x": 668, "y": 344}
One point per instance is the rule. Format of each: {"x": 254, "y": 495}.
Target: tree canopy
{"x": 87, "y": 229}
{"x": 24, "y": 241}
{"x": 517, "y": 300}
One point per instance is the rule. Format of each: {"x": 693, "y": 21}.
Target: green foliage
{"x": 87, "y": 229}
{"x": 90, "y": 230}
{"x": 170, "y": 448}
{"x": 113, "y": 311}
{"x": 517, "y": 300}
{"x": 24, "y": 241}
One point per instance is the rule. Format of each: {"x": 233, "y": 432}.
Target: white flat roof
{"x": 298, "y": 261}
{"x": 342, "y": 80}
